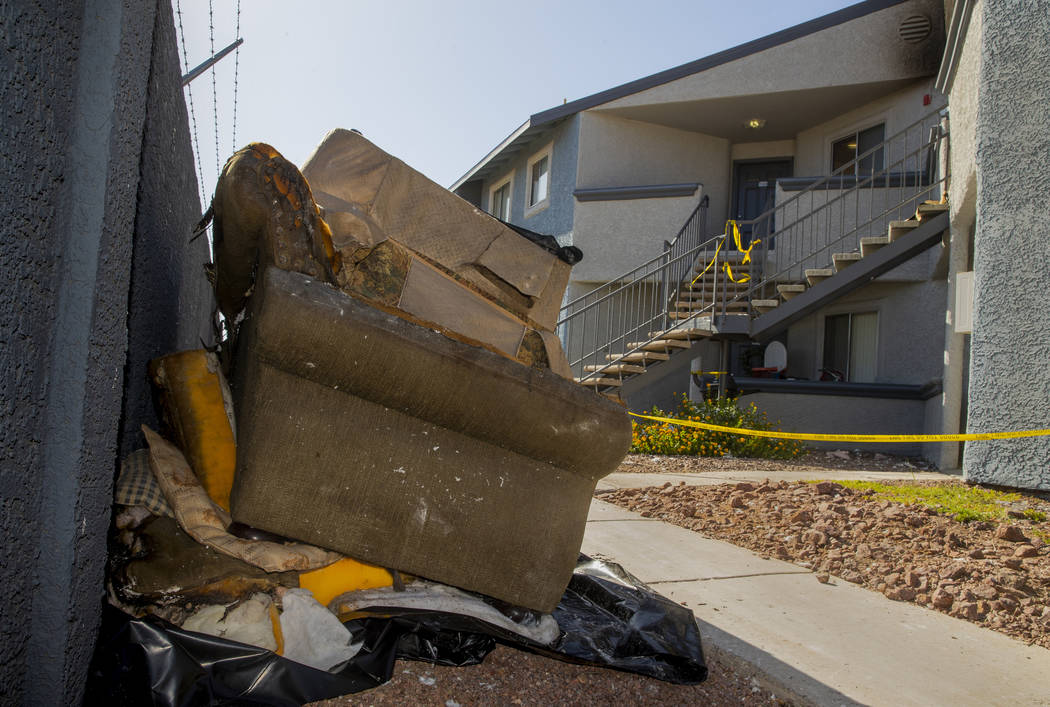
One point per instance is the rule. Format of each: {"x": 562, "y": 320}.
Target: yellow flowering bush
{"x": 649, "y": 437}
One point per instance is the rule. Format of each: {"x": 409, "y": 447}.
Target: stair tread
{"x": 675, "y": 314}
{"x": 910, "y": 223}
{"x": 870, "y": 244}
{"x": 791, "y": 288}
{"x": 658, "y": 344}
{"x": 598, "y": 381}
{"x": 701, "y": 290}
{"x": 638, "y": 356}
{"x": 930, "y": 209}
{"x": 682, "y": 334}
{"x": 765, "y": 303}
{"x": 700, "y": 307}
{"x": 619, "y": 368}
{"x": 815, "y": 275}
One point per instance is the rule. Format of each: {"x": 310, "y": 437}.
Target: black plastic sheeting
{"x": 607, "y": 618}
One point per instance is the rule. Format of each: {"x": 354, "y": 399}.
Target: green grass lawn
{"x": 962, "y": 502}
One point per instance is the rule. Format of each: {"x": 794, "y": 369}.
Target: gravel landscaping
{"x": 996, "y": 574}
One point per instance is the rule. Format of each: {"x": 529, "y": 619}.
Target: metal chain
{"x": 236, "y": 68}
{"x": 214, "y": 90}
{"x": 193, "y": 114}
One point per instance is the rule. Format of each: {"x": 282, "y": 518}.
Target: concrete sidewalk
{"x": 821, "y": 644}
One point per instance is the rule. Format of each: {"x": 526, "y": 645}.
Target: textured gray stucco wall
{"x": 840, "y": 414}
{"x": 910, "y": 336}
{"x": 36, "y": 99}
{"x": 170, "y": 303}
{"x": 555, "y": 219}
{"x": 73, "y": 114}
{"x": 1010, "y": 347}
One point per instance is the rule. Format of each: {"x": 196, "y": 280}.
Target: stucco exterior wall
{"x": 840, "y": 414}
{"x": 897, "y": 111}
{"x": 170, "y": 303}
{"x": 613, "y": 152}
{"x": 1010, "y": 346}
{"x": 36, "y": 98}
{"x": 557, "y": 218}
{"x": 770, "y": 149}
{"x": 865, "y": 50}
{"x": 910, "y": 332}
{"x": 74, "y": 116}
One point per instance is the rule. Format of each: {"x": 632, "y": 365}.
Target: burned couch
{"x": 401, "y": 396}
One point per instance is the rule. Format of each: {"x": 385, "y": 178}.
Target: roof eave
{"x": 483, "y": 162}
{"x": 784, "y": 36}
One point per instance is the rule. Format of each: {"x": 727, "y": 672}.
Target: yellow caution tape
{"x": 711, "y": 373}
{"x": 713, "y": 259}
{"x": 738, "y": 241}
{"x": 813, "y": 437}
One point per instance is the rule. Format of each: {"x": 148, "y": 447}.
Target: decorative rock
{"x": 976, "y": 554}
{"x": 801, "y": 517}
{"x": 826, "y": 488}
{"x": 942, "y": 599}
{"x": 815, "y": 537}
{"x": 736, "y": 502}
{"x": 1011, "y": 533}
{"x": 852, "y": 576}
{"x": 1026, "y": 551}
{"x": 823, "y": 577}
{"x": 744, "y": 486}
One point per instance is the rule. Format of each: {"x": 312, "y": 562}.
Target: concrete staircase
{"x": 715, "y": 306}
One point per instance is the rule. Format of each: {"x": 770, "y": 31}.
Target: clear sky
{"x": 439, "y": 84}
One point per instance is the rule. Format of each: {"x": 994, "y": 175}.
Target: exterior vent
{"x": 915, "y": 29}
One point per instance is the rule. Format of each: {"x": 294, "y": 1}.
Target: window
{"x": 846, "y": 149}
{"x": 539, "y": 188}
{"x": 499, "y": 199}
{"x": 850, "y": 345}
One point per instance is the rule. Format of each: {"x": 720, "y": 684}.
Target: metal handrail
{"x": 912, "y": 173}
{"x": 627, "y": 308}
{"x": 636, "y": 306}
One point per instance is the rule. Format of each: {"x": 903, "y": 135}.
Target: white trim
{"x": 507, "y": 181}
{"x": 495, "y": 151}
{"x": 548, "y": 152}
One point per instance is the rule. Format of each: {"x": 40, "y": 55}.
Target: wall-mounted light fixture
{"x": 755, "y": 123}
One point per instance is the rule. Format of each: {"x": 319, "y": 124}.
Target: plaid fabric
{"x": 137, "y": 486}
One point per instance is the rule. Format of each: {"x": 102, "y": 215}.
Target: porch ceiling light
{"x": 755, "y": 123}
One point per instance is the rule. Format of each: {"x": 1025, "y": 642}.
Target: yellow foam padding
{"x": 346, "y": 575}
{"x": 278, "y": 634}
{"x": 192, "y": 397}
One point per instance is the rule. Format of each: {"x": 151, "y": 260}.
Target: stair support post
{"x": 723, "y": 376}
